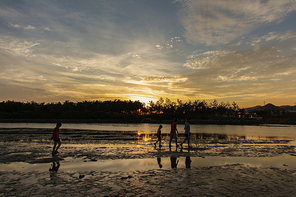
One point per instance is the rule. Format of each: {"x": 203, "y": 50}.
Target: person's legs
{"x": 59, "y": 145}
{"x": 54, "y": 146}
{"x": 156, "y": 142}
{"x": 186, "y": 138}
{"x": 170, "y": 141}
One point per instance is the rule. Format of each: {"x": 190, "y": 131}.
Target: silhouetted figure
{"x": 173, "y": 134}
{"x": 158, "y": 136}
{"x": 56, "y": 138}
{"x": 187, "y": 133}
{"x": 159, "y": 162}
{"x": 174, "y": 162}
{"x": 55, "y": 167}
{"x": 53, "y": 171}
{"x": 188, "y": 162}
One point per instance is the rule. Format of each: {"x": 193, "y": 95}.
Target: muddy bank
{"x": 33, "y": 147}
{"x": 227, "y": 180}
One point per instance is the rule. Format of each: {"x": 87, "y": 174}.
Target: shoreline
{"x": 154, "y": 121}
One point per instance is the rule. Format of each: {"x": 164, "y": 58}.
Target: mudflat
{"x": 117, "y": 163}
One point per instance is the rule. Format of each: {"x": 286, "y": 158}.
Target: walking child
{"x": 56, "y": 138}
{"x": 187, "y": 132}
{"x": 173, "y": 134}
{"x": 158, "y": 136}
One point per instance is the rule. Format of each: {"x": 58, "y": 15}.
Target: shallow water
{"x": 70, "y": 164}
{"x": 129, "y": 147}
{"x": 245, "y": 130}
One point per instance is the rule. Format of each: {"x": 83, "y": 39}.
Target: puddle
{"x": 70, "y": 164}
{"x": 21, "y": 153}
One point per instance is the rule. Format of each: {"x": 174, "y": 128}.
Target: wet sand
{"x": 26, "y": 159}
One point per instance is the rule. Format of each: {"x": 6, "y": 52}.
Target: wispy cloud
{"x": 29, "y": 27}
{"x": 248, "y": 70}
{"x": 17, "y": 47}
{"x": 220, "y": 22}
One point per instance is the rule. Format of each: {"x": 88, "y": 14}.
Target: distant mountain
{"x": 272, "y": 107}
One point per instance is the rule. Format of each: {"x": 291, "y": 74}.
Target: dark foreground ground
{"x": 33, "y": 146}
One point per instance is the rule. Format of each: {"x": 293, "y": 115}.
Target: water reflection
{"x": 174, "y": 162}
{"x": 53, "y": 171}
{"x": 54, "y": 167}
{"x": 188, "y": 162}
{"x": 159, "y": 158}
{"x": 285, "y": 161}
{"x": 159, "y": 162}
{"x": 215, "y": 136}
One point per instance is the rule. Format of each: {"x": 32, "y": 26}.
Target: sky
{"x": 83, "y": 50}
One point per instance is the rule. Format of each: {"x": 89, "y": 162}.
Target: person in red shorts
{"x": 56, "y": 138}
{"x": 173, "y": 134}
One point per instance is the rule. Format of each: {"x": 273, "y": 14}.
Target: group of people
{"x": 173, "y": 133}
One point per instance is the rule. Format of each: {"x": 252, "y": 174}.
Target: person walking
{"x": 173, "y": 134}
{"x": 158, "y": 136}
{"x": 56, "y": 138}
{"x": 187, "y": 133}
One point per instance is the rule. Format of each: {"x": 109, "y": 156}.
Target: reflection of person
{"x": 55, "y": 167}
{"x": 53, "y": 171}
{"x": 174, "y": 162}
{"x": 173, "y": 134}
{"x": 159, "y": 162}
{"x": 56, "y": 138}
{"x": 158, "y": 136}
{"x": 187, "y": 132}
{"x": 188, "y": 162}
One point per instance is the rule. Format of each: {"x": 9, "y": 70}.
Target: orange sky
{"x": 242, "y": 51}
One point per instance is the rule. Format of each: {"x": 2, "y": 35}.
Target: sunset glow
{"x": 242, "y": 51}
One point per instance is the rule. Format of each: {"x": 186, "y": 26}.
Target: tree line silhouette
{"x": 117, "y": 109}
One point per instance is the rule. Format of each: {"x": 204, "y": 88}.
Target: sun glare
{"x": 143, "y": 99}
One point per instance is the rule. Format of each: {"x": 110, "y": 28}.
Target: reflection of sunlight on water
{"x": 146, "y": 137}
{"x": 247, "y": 130}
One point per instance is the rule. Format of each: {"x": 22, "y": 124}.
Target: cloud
{"x": 246, "y": 71}
{"x": 83, "y": 76}
{"x": 169, "y": 44}
{"x": 104, "y": 50}
{"x": 163, "y": 78}
{"x": 272, "y": 36}
{"x": 200, "y": 61}
{"x": 17, "y": 47}
{"x": 29, "y": 27}
{"x": 213, "y": 23}
{"x": 47, "y": 29}
{"x": 15, "y": 25}
{"x": 159, "y": 46}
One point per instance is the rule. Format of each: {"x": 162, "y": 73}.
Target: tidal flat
{"x": 126, "y": 163}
